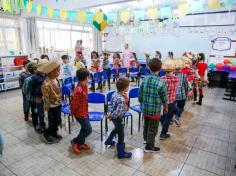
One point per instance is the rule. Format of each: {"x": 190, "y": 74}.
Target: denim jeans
{"x": 85, "y": 131}
{"x": 54, "y": 120}
{"x": 34, "y": 112}
{"x": 166, "y": 118}
{"x": 119, "y": 130}
{"x": 179, "y": 108}
{"x": 26, "y": 105}
{"x": 40, "y": 108}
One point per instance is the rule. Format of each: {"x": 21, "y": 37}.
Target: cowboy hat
{"x": 41, "y": 63}
{"x": 169, "y": 64}
{"x": 50, "y": 66}
{"x": 179, "y": 63}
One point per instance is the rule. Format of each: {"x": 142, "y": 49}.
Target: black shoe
{"x": 164, "y": 136}
{"x": 47, "y": 139}
{"x": 57, "y": 137}
{"x": 152, "y": 149}
{"x": 38, "y": 129}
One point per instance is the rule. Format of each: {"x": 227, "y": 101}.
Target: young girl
{"x": 79, "y": 48}
{"x": 116, "y": 63}
{"x": 95, "y": 64}
{"x": 119, "y": 104}
{"x": 201, "y": 77}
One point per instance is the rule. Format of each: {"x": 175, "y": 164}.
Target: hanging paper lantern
{"x": 219, "y": 66}
{"x": 100, "y": 20}
{"x": 212, "y": 66}
{"x": 152, "y": 13}
{"x": 226, "y": 68}
{"x": 125, "y": 16}
{"x": 183, "y": 9}
{"x": 227, "y": 61}
{"x": 214, "y": 4}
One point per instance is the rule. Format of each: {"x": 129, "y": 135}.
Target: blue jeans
{"x": 85, "y": 131}
{"x": 40, "y": 108}
{"x": 26, "y": 105}
{"x": 166, "y": 118}
{"x": 179, "y": 108}
{"x": 119, "y": 130}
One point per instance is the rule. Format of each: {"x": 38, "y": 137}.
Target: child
{"x": 36, "y": 84}
{"x": 95, "y": 65}
{"x": 181, "y": 92}
{"x": 52, "y": 100}
{"x": 171, "y": 84}
{"x": 78, "y": 63}
{"x": 79, "y": 48}
{"x": 152, "y": 95}
{"x": 22, "y": 78}
{"x": 67, "y": 68}
{"x": 106, "y": 66}
{"x": 119, "y": 105}
{"x": 116, "y": 64}
{"x": 201, "y": 78}
{"x": 79, "y": 109}
{"x": 31, "y": 68}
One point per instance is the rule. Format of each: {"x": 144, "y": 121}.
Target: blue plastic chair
{"x": 133, "y": 73}
{"x": 95, "y": 116}
{"x": 144, "y": 72}
{"x": 122, "y": 72}
{"x": 108, "y": 107}
{"x": 76, "y": 79}
{"x": 113, "y": 74}
{"x": 133, "y": 93}
{"x": 106, "y": 77}
{"x": 66, "y": 92}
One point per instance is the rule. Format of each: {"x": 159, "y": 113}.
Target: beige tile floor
{"x": 203, "y": 146}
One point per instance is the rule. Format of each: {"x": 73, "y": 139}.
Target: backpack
{"x": 27, "y": 89}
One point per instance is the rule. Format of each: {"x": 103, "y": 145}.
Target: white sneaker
{"x": 144, "y": 142}
{"x": 177, "y": 122}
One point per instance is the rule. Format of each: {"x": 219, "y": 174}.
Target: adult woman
{"x": 126, "y": 55}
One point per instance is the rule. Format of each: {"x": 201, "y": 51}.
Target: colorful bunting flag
{"x": 29, "y": 6}
{"x": 39, "y": 10}
{"x": 125, "y": 16}
{"x": 214, "y": 4}
{"x": 139, "y": 14}
{"x": 89, "y": 17}
{"x": 152, "y": 13}
{"x": 112, "y": 17}
{"x": 44, "y": 11}
{"x": 72, "y": 15}
{"x": 100, "y": 20}
{"x": 197, "y": 6}
{"x": 82, "y": 16}
{"x": 56, "y": 13}
{"x": 50, "y": 12}
{"x": 63, "y": 15}
{"x": 34, "y": 7}
{"x": 183, "y": 9}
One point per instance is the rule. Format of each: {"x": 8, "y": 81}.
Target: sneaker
{"x": 177, "y": 122}
{"x": 38, "y": 129}
{"x": 84, "y": 147}
{"x": 75, "y": 147}
{"x": 57, "y": 137}
{"x": 164, "y": 136}
{"x": 152, "y": 149}
{"x": 47, "y": 139}
{"x": 171, "y": 122}
{"x": 144, "y": 142}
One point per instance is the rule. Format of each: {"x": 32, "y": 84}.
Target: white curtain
{"x": 32, "y": 35}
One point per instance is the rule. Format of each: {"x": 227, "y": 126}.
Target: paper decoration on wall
{"x": 221, "y": 44}
{"x": 100, "y": 20}
{"x": 50, "y": 12}
{"x": 34, "y": 8}
{"x": 29, "y": 6}
{"x": 197, "y": 6}
{"x": 63, "y": 14}
{"x": 82, "y": 16}
{"x": 89, "y": 17}
{"x": 56, "y": 13}
{"x": 139, "y": 14}
{"x": 166, "y": 12}
{"x": 214, "y": 4}
{"x": 125, "y": 16}
{"x": 44, "y": 11}
{"x": 72, "y": 15}
{"x": 229, "y": 3}
{"x": 112, "y": 17}
{"x": 152, "y": 13}
{"x": 39, "y": 10}
{"x": 183, "y": 9}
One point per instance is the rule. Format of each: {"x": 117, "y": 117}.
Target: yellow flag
{"x": 214, "y": 4}
{"x": 4, "y": 5}
{"x": 183, "y": 9}
{"x": 50, "y": 12}
{"x": 82, "y": 16}
{"x": 125, "y": 16}
{"x": 39, "y": 10}
{"x": 152, "y": 13}
{"x": 29, "y": 6}
{"x": 63, "y": 14}
{"x": 98, "y": 17}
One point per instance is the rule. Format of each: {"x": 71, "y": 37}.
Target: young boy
{"x": 67, "y": 68}
{"x": 181, "y": 92}
{"x": 52, "y": 100}
{"x": 79, "y": 109}
{"x": 106, "y": 66}
{"x": 22, "y": 78}
{"x": 37, "y": 81}
{"x": 119, "y": 103}
{"x": 152, "y": 95}
{"x": 171, "y": 84}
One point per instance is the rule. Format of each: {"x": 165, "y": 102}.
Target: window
{"x": 9, "y": 34}
{"x": 63, "y": 37}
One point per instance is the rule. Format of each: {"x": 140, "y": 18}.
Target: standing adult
{"x": 127, "y": 54}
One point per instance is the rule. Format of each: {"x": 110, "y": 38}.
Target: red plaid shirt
{"x": 79, "y": 102}
{"x": 171, "y": 84}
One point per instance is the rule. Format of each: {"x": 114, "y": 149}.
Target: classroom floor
{"x": 204, "y": 145}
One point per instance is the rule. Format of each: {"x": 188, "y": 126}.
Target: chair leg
{"x": 101, "y": 131}
{"x": 131, "y": 124}
{"x": 106, "y": 125}
{"x": 139, "y": 121}
{"x": 69, "y": 124}
{"x": 127, "y": 120}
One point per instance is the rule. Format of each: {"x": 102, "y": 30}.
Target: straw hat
{"x": 187, "y": 61}
{"x": 179, "y": 63}
{"x": 50, "y": 66}
{"x": 41, "y": 63}
{"x": 169, "y": 64}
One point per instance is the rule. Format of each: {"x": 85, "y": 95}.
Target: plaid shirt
{"x": 183, "y": 87}
{"x": 79, "y": 102}
{"x": 119, "y": 105}
{"x": 152, "y": 94}
{"x": 171, "y": 83}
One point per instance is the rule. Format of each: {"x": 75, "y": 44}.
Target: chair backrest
{"x": 96, "y": 98}
{"x": 109, "y": 96}
{"x": 133, "y": 93}
{"x": 113, "y": 71}
{"x": 68, "y": 82}
{"x": 105, "y": 73}
{"x": 133, "y": 70}
{"x": 123, "y": 70}
{"x": 97, "y": 76}
{"x": 65, "y": 91}
{"x": 144, "y": 71}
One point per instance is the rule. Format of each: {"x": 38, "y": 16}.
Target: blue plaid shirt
{"x": 119, "y": 106}
{"x": 183, "y": 87}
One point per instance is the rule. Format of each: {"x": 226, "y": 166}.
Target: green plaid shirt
{"x": 152, "y": 95}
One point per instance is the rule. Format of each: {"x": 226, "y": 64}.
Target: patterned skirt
{"x": 199, "y": 82}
